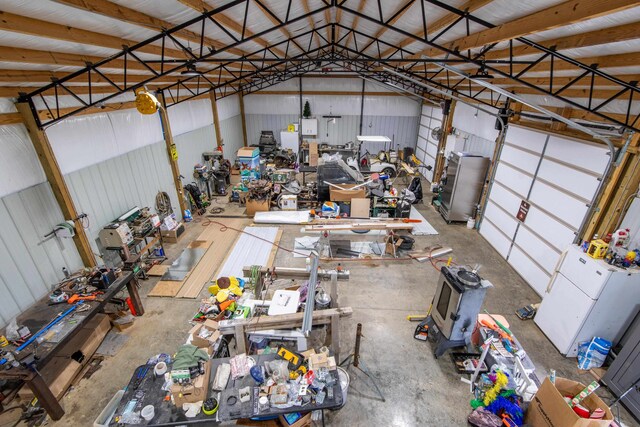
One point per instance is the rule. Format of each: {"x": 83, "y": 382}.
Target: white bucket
{"x": 343, "y": 375}
{"x": 471, "y": 223}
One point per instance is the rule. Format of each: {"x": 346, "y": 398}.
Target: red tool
{"x": 495, "y": 327}
{"x": 130, "y": 304}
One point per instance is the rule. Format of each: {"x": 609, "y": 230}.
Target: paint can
{"x": 471, "y": 223}
{"x": 344, "y": 380}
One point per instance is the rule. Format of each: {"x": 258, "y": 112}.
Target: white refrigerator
{"x": 586, "y": 298}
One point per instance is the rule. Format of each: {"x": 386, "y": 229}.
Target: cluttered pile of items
{"x": 501, "y": 376}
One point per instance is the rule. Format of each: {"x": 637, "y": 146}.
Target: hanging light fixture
{"x": 191, "y": 71}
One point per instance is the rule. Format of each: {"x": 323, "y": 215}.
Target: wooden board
{"x": 158, "y": 270}
{"x": 360, "y": 226}
{"x": 274, "y": 250}
{"x": 222, "y": 242}
{"x": 165, "y": 288}
{"x": 204, "y": 244}
{"x": 360, "y": 208}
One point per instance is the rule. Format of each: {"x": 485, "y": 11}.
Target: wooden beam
{"x": 172, "y": 153}
{"x": 201, "y": 6}
{"x": 631, "y": 59}
{"x": 37, "y": 27}
{"x": 592, "y": 38}
{"x": 470, "y": 6}
{"x": 132, "y": 16}
{"x": 244, "y": 123}
{"x": 613, "y": 203}
{"x": 356, "y": 19}
{"x": 566, "y": 13}
{"x": 56, "y": 180}
{"x": 312, "y": 24}
{"x": 216, "y": 121}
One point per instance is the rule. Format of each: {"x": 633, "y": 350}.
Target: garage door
{"x": 427, "y": 146}
{"x": 557, "y": 177}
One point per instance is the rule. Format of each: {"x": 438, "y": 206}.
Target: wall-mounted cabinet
{"x": 309, "y": 127}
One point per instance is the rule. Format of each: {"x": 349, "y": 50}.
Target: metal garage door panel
{"x": 521, "y": 159}
{"x": 426, "y": 110}
{"x": 556, "y": 233}
{"x": 538, "y": 249}
{"x": 495, "y": 238}
{"x": 422, "y": 144}
{"x": 525, "y": 138}
{"x": 424, "y": 130}
{"x": 583, "y": 154}
{"x": 436, "y": 113}
{"x": 514, "y": 179}
{"x": 537, "y": 278}
{"x": 560, "y": 204}
{"x": 575, "y": 181}
{"x": 504, "y": 198}
{"x": 507, "y": 222}
{"x": 432, "y": 149}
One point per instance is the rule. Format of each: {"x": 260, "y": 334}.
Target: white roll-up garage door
{"x": 427, "y": 146}
{"x": 557, "y": 177}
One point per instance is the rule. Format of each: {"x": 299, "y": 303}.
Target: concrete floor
{"x": 420, "y": 390}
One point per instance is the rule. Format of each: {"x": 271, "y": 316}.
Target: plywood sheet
{"x": 360, "y": 208}
{"x": 157, "y": 270}
{"x": 165, "y": 288}
{"x": 222, "y": 240}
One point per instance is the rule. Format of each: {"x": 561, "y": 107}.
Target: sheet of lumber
{"x": 283, "y": 319}
{"x": 165, "y": 288}
{"x": 360, "y": 226}
{"x": 274, "y": 250}
{"x": 157, "y": 270}
{"x": 222, "y": 242}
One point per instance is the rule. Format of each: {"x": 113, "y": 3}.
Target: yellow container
{"x": 3, "y": 341}
{"x": 597, "y": 249}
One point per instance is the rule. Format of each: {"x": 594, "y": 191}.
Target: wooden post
{"x": 56, "y": 180}
{"x": 446, "y": 125}
{"x": 216, "y": 120}
{"x": 244, "y": 124}
{"x": 172, "y": 152}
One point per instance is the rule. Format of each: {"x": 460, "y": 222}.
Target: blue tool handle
{"x": 46, "y": 328}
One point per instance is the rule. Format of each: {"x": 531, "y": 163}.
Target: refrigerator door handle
{"x": 556, "y": 270}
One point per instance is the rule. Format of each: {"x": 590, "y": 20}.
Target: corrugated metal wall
{"x": 27, "y": 264}
{"x": 273, "y": 122}
{"x": 191, "y": 145}
{"x": 231, "y": 130}
{"x": 108, "y": 189}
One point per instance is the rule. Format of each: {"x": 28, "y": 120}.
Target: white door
{"x": 562, "y": 313}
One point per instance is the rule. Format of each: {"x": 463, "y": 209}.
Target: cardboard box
{"x": 194, "y": 392}
{"x": 549, "y": 409}
{"x": 347, "y": 194}
{"x": 360, "y": 208}
{"x": 172, "y": 236}
{"x": 313, "y": 154}
{"x": 248, "y": 152}
{"x": 199, "y": 342}
{"x": 304, "y": 420}
{"x": 254, "y": 206}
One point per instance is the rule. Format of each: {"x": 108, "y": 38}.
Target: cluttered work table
{"x": 53, "y": 326}
{"x": 249, "y": 395}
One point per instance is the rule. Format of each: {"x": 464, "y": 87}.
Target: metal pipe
{"x": 47, "y": 327}
{"x": 307, "y": 320}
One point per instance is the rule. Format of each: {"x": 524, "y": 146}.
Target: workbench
{"x": 39, "y": 316}
{"x": 167, "y": 414}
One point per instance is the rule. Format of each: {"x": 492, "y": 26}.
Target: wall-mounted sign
{"x": 523, "y": 211}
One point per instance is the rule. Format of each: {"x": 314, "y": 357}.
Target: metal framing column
{"x": 216, "y": 120}
{"x": 364, "y": 82}
{"x": 172, "y": 152}
{"x": 56, "y": 180}
{"x": 244, "y": 124}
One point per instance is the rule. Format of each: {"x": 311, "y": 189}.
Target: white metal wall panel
{"x": 191, "y": 145}
{"x": 401, "y": 129}
{"x": 475, "y": 122}
{"x": 19, "y": 164}
{"x": 231, "y": 130}
{"x": 273, "y": 122}
{"x": 28, "y": 264}
{"x": 108, "y": 189}
{"x": 558, "y": 177}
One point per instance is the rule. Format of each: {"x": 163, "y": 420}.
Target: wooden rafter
{"x": 37, "y": 27}
{"x": 122, "y": 13}
{"x": 201, "y": 6}
{"x": 568, "y": 12}
{"x": 354, "y": 25}
{"x": 592, "y": 38}
{"x": 448, "y": 19}
{"x": 312, "y": 24}
{"x": 399, "y": 12}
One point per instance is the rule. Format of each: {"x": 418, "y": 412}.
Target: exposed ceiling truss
{"x": 329, "y": 38}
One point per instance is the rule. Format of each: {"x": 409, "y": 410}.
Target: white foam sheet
{"x": 304, "y": 246}
{"x": 421, "y": 228}
{"x": 281, "y": 217}
{"x": 249, "y": 251}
